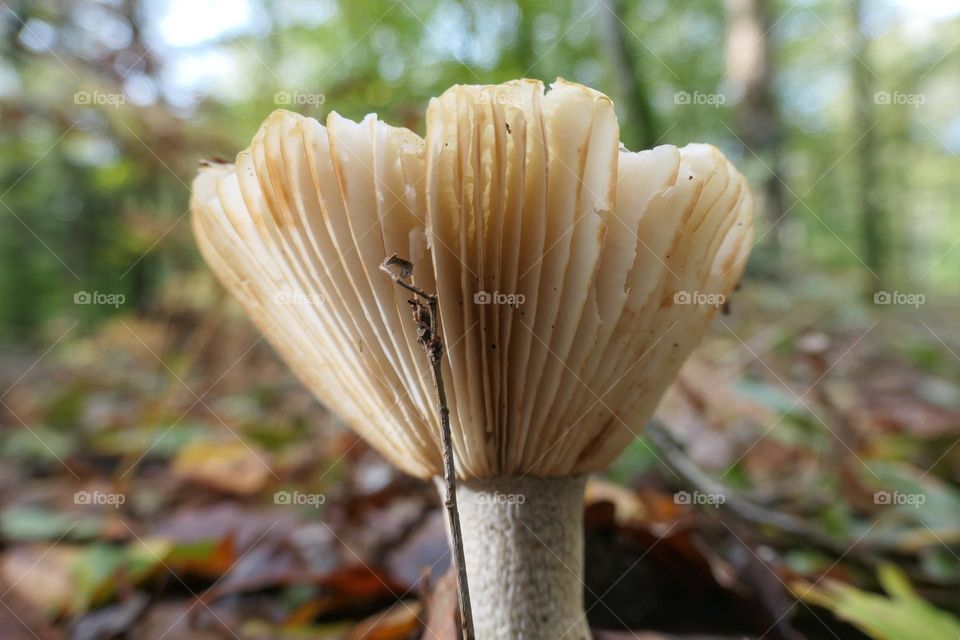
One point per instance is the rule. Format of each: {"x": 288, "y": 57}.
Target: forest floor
{"x": 165, "y": 477}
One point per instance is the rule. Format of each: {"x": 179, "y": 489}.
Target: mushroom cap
{"x": 573, "y": 276}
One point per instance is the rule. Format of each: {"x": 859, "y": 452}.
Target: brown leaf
{"x": 233, "y": 467}
{"x": 400, "y": 622}
{"x": 41, "y": 575}
{"x": 442, "y": 608}
{"x": 361, "y": 582}
{"x": 21, "y": 620}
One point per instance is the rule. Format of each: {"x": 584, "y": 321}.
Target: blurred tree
{"x": 94, "y": 192}
{"x": 628, "y": 74}
{"x": 751, "y": 66}
{"x": 873, "y": 217}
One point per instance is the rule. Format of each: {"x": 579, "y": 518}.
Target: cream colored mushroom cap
{"x": 574, "y": 277}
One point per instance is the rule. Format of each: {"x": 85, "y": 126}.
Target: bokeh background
{"x": 824, "y": 405}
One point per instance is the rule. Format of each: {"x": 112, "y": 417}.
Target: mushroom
{"x": 573, "y": 278}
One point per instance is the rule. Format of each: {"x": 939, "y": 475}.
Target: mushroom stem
{"x": 523, "y": 542}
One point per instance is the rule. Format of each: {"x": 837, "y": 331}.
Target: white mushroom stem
{"x": 523, "y": 543}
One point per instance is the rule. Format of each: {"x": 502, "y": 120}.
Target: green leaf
{"x": 34, "y": 523}
{"x": 900, "y": 615}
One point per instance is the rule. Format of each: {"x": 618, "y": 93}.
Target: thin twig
{"x": 428, "y": 335}
{"x": 745, "y": 509}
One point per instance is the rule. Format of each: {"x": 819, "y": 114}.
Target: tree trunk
{"x": 641, "y": 132}
{"x": 873, "y": 222}
{"x": 750, "y": 65}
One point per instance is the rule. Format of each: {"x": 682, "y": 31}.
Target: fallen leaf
{"x": 110, "y": 621}
{"x": 234, "y": 467}
{"x": 399, "y": 622}
{"x": 42, "y": 575}
{"x": 442, "y": 608}
{"x": 900, "y": 615}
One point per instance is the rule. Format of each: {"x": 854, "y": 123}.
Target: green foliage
{"x": 900, "y": 615}
{"x": 96, "y": 191}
